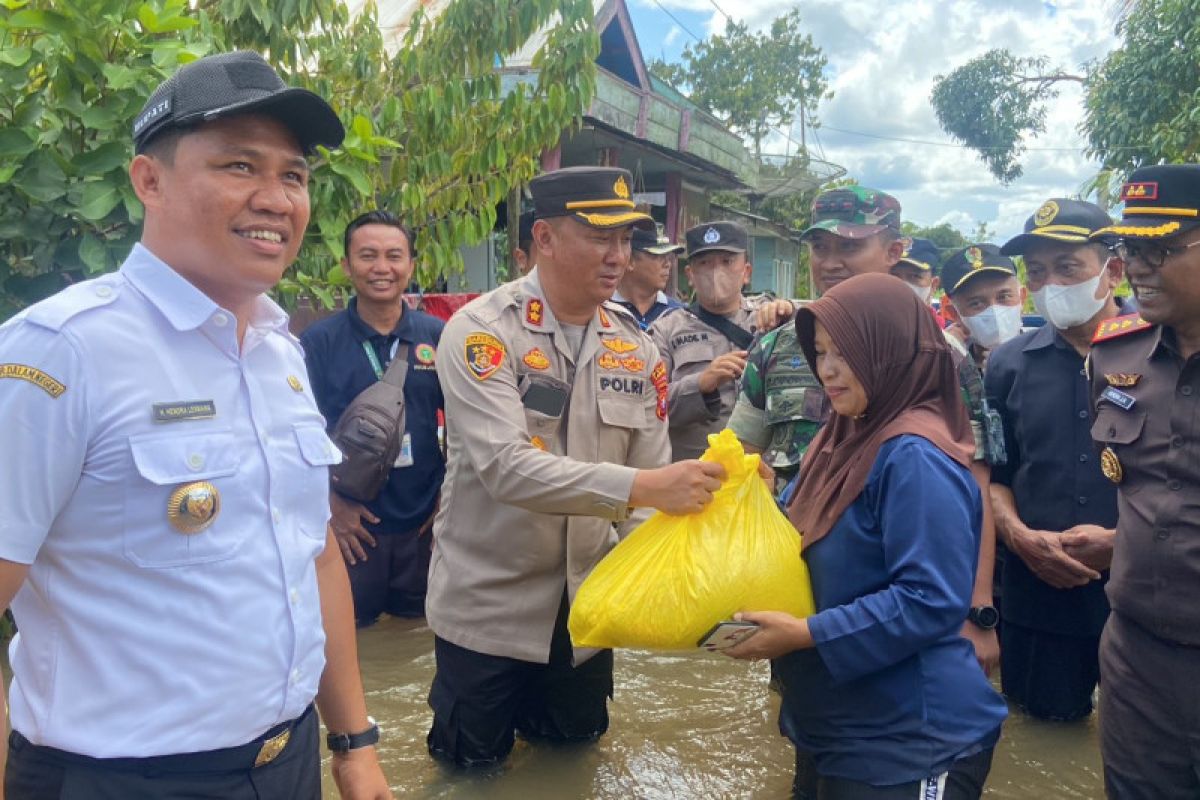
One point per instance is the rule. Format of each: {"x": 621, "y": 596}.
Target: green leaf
{"x": 33, "y": 19}
{"x": 99, "y": 198}
{"x": 15, "y": 142}
{"x": 15, "y": 56}
{"x": 102, "y": 159}
{"x": 92, "y": 253}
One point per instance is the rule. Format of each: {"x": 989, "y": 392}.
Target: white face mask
{"x": 1067, "y": 306}
{"x": 994, "y": 325}
{"x": 923, "y": 293}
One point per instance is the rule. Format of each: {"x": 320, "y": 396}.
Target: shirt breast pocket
{"x": 621, "y": 418}
{"x": 308, "y": 494}
{"x": 693, "y": 359}
{"x": 181, "y": 508}
{"x": 1120, "y": 430}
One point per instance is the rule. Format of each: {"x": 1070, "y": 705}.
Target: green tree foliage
{"x": 993, "y": 102}
{"x": 1141, "y": 102}
{"x": 434, "y": 133}
{"x": 753, "y": 81}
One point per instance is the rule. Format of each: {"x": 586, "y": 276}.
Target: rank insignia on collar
{"x": 539, "y": 443}
{"x": 1110, "y": 465}
{"x": 1120, "y": 326}
{"x": 535, "y": 311}
{"x": 633, "y": 364}
{"x": 605, "y": 322}
{"x": 619, "y": 346}
{"x": 193, "y": 507}
{"x": 1122, "y": 379}
{"x": 608, "y": 361}
{"x": 295, "y": 383}
{"x": 484, "y": 354}
{"x": 536, "y": 359}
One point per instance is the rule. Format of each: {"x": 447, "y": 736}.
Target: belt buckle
{"x": 272, "y": 747}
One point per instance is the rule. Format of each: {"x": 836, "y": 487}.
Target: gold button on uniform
{"x": 193, "y": 507}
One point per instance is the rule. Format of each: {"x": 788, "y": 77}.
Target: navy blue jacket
{"x": 892, "y": 693}
{"x": 338, "y": 369}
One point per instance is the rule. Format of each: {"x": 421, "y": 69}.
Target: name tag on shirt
{"x": 405, "y": 457}
{"x": 189, "y": 409}
{"x": 1117, "y": 397}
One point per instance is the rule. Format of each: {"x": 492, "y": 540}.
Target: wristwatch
{"x": 344, "y": 742}
{"x": 986, "y": 617}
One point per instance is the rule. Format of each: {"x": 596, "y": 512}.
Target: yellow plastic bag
{"x": 673, "y": 578}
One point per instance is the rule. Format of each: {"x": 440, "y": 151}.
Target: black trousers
{"x": 963, "y": 781}
{"x": 44, "y": 773}
{"x": 1048, "y": 675}
{"x": 480, "y": 701}
{"x": 1149, "y": 714}
{"x": 392, "y": 579}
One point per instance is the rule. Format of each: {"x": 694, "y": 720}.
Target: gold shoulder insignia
{"x": 1120, "y": 326}
{"x": 619, "y": 345}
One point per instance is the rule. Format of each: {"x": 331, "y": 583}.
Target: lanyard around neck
{"x": 374, "y": 359}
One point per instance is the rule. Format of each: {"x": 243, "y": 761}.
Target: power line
{"x": 675, "y": 19}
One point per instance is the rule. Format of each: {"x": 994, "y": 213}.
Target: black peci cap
{"x": 728, "y": 236}
{"x": 595, "y": 196}
{"x": 227, "y": 84}
{"x": 978, "y": 259}
{"x": 923, "y": 254}
{"x": 1059, "y": 219}
{"x": 1160, "y": 202}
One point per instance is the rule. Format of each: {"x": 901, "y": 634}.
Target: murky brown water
{"x": 683, "y": 726}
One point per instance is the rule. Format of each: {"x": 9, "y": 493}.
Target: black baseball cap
{"x": 650, "y": 242}
{"x": 228, "y": 84}
{"x": 728, "y": 236}
{"x": 595, "y": 196}
{"x": 1059, "y": 219}
{"x": 1160, "y": 202}
{"x": 976, "y": 259}
{"x": 924, "y": 255}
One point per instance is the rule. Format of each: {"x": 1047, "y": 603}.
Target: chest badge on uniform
{"x": 425, "y": 353}
{"x": 658, "y": 376}
{"x": 484, "y": 354}
{"x": 538, "y": 442}
{"x": 1119, "y": 398}
{"x": 619, "y": 345}
{"x": 1110, "y": 465}
{"x": 193, "y": 507}
{"x": 633, "y": 364}
{"x": 608, "y": 361}
{"x": 295, "y": 383}
{"x": 1123, "y": 379}
{"x": 536, "y": 359}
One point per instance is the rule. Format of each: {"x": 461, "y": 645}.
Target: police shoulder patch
{"x": 484, "y": 354}
{"x": 1120, "y": 326}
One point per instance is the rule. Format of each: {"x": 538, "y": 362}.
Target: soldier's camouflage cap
{"x": 854, "y": 212}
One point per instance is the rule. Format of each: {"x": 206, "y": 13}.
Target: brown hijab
{"x": 895, "y": 349}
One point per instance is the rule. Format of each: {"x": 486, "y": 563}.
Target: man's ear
{"x": 148, "y": 174}
{"x": 748, "y": 273}
{"x": 894, "y": 250}
{"x": 935, "y": 284}
{"x": 1115, "y": 269}
{"x": 543, "y": 236}
{"x": 1024, "y": 295}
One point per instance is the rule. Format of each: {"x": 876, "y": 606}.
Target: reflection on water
{"x": 683, "y": 726}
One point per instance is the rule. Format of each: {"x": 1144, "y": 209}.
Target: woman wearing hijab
{"x": 881, "y": 696}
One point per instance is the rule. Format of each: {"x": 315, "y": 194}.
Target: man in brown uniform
{"x": 556, "y": 409}
{"x": 704, "y": 346}
{"x": 1145, "y": 374}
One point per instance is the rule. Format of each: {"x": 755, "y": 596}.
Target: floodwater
{"x": 687, "y": 725}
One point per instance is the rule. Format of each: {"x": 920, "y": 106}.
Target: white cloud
{"x": 883, "y": 58}
{"x": 672, "y": 36}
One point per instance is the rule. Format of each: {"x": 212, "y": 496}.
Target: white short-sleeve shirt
{"x": 137, "y": 639}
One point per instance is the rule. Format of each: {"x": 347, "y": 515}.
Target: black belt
{"x": 262, "y": 750}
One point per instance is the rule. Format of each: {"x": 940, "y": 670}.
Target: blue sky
{"x": 883, "y": 59}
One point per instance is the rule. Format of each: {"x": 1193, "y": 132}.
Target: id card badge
{"x": 405, "y": 457}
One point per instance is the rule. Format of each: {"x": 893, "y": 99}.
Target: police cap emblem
{"x": 712, "y": 236}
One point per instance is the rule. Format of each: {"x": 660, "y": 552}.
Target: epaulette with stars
{"x": 1120, "y": 326}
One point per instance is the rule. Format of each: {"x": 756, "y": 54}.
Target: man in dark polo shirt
{"x": 1052, "y": 603}
{"x": 1145, "y": 374}
{"x": 386, "y": 542}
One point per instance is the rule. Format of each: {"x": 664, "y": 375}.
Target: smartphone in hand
{"x": 726, "y": 634}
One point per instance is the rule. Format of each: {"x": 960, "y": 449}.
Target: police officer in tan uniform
{"x": 704, "y": 346}
{"x": 1145, "y": 374}
{"x": 556, "y": 407}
